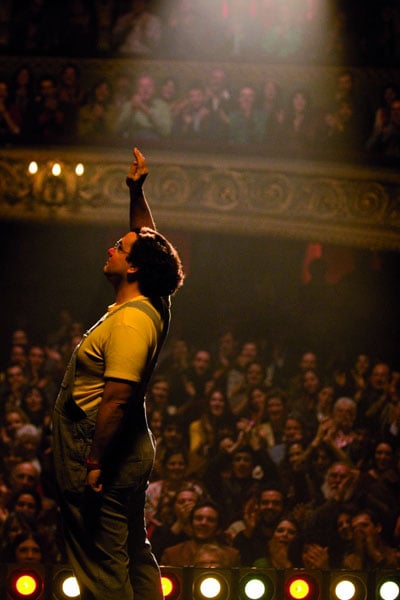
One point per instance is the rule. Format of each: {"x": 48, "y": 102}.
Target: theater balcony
{"x": 354, "y": 203}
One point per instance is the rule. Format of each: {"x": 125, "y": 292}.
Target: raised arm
{"x": 139, "y": 210}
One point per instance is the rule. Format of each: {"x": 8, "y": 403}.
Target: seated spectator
{"x": 253, "y": 375}
{"x": 342, "y": 432}
{"x": 276, "y": 411}
{"x": 197, "y": 381}
{"x": 385, "y": 141}
{"x": 211, "y": 556}
{"x": 27, "y": 547}
{"x": 158, "y": 395}
{"x": 27, "y": 501}
{"x": 41, "y": 372}
{"x": 22, "y": 95}
{"x": 161, "y": 493}
{"x": 324, "y": 406}
{"x": 374, "y": 406}
{"x": 35, "y": 406}
{"x": 180, "y": 530}
{"x": 381, "y": 121}
{"x": 191, "y": 121}
{"x": 94, "y": 117}
{"x": 144, "y": 116}
{"x": 247, "y": 469}
{"x": 14, "y": 525}
{"x": 13, "y": 388}
{"x": 342, "y": 542}
{"x": 219, "y": 103}
{"x": 14, "y": 419}
{"x": 235, "y": 376}
{"x": 293, "y": 431}
{"x": 206, "y": 528}
{"x": 306, "y": 399}
{"x": 48, "y": 119}
{"x": 261, "y": 513}
{"x": 271, "y": 101}
{"x": 204, "y": 432}
{"x": 174, "y": 438}
{"x": 10, "y": 117}
{"x": 277, "y": 553}
{"x": 336, "y": 132}
{"x": 370, "y": 550}
{"x": 293, "y": 472}
{"x": 137, "y": 32}
{"x": 247, "y": 122}
{"x": 293, "y": 131}
{"x": 382, "y": 483}
{"x": 71, "y": 94}
{"x": 169, "y": 92}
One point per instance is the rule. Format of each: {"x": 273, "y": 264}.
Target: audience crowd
{"x": 280, "y": 31}
{"x": 259, "y": 461}
{"x": 59, "y": 108}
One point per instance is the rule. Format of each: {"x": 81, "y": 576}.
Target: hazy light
{"x": 345, "y": 590}
{"x": 33, "y": 167}
{"x": 56, "y": 169}
{"x": 389, "y": 590}
{"x": 79, "y": 169}
{"x": 70, "y": 587}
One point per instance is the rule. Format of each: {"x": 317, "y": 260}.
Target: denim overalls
{"x": 105, "y": 532}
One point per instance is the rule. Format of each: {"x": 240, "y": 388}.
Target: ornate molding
{"x": 336, "y": 203}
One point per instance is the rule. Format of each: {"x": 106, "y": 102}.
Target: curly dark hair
{"x": 160, "y": 271}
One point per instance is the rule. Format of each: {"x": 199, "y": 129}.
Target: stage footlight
{"x": 348, "y": 586}
{"x": 65, "y": 585}
{"x": 25, "y": 583}
{"x": 212, "y": 584}
{"x": 302, "y": 585}
{"x": 256, "y": 584}
{"x": 387, "y": 586}
{"x": 172, "y": 583}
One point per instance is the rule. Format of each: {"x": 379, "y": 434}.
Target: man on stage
{"x": 103, "y": 449}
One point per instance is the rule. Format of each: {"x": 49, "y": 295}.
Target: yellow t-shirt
{"x": 120, "y": 347}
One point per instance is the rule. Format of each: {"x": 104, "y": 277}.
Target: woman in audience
{"x": 277, "y": 552}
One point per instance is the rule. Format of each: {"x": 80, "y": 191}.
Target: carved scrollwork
{"x": 224, "y": 191}
{"x": 272, "y": 194}
{"x": 325, "y": 199}
{"x": 14, "y": 186}
{"x": 369, "y": 202}
{"x": 107, "y": 187}
{"x": 170, "y": 187}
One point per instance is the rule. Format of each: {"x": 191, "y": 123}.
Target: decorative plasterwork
{"x": 356, "y": 206}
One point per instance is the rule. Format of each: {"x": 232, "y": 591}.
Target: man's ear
{"x": 132, "y": 269}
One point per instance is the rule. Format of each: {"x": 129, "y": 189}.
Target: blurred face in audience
{"x": 383, "y": 457}
{"x": 217, "y": 404}
{"x": 380, "y": 376}
{"x": 285, "y": 532}
{"x": 175, "y": 466}
{"x": 28, "y": 551}
{"x": 34, "y": 400}
{"x": 344, "y": 527}
{"x": 242, "y": 465}
{"x": 271, "y": 505}
{"x": 293, "y": 430}
{"x": 275, "y": 409}
{"x": 13, "y": 421}
{"x": 308, "y": 361}
{"x": 205, "y": 523}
